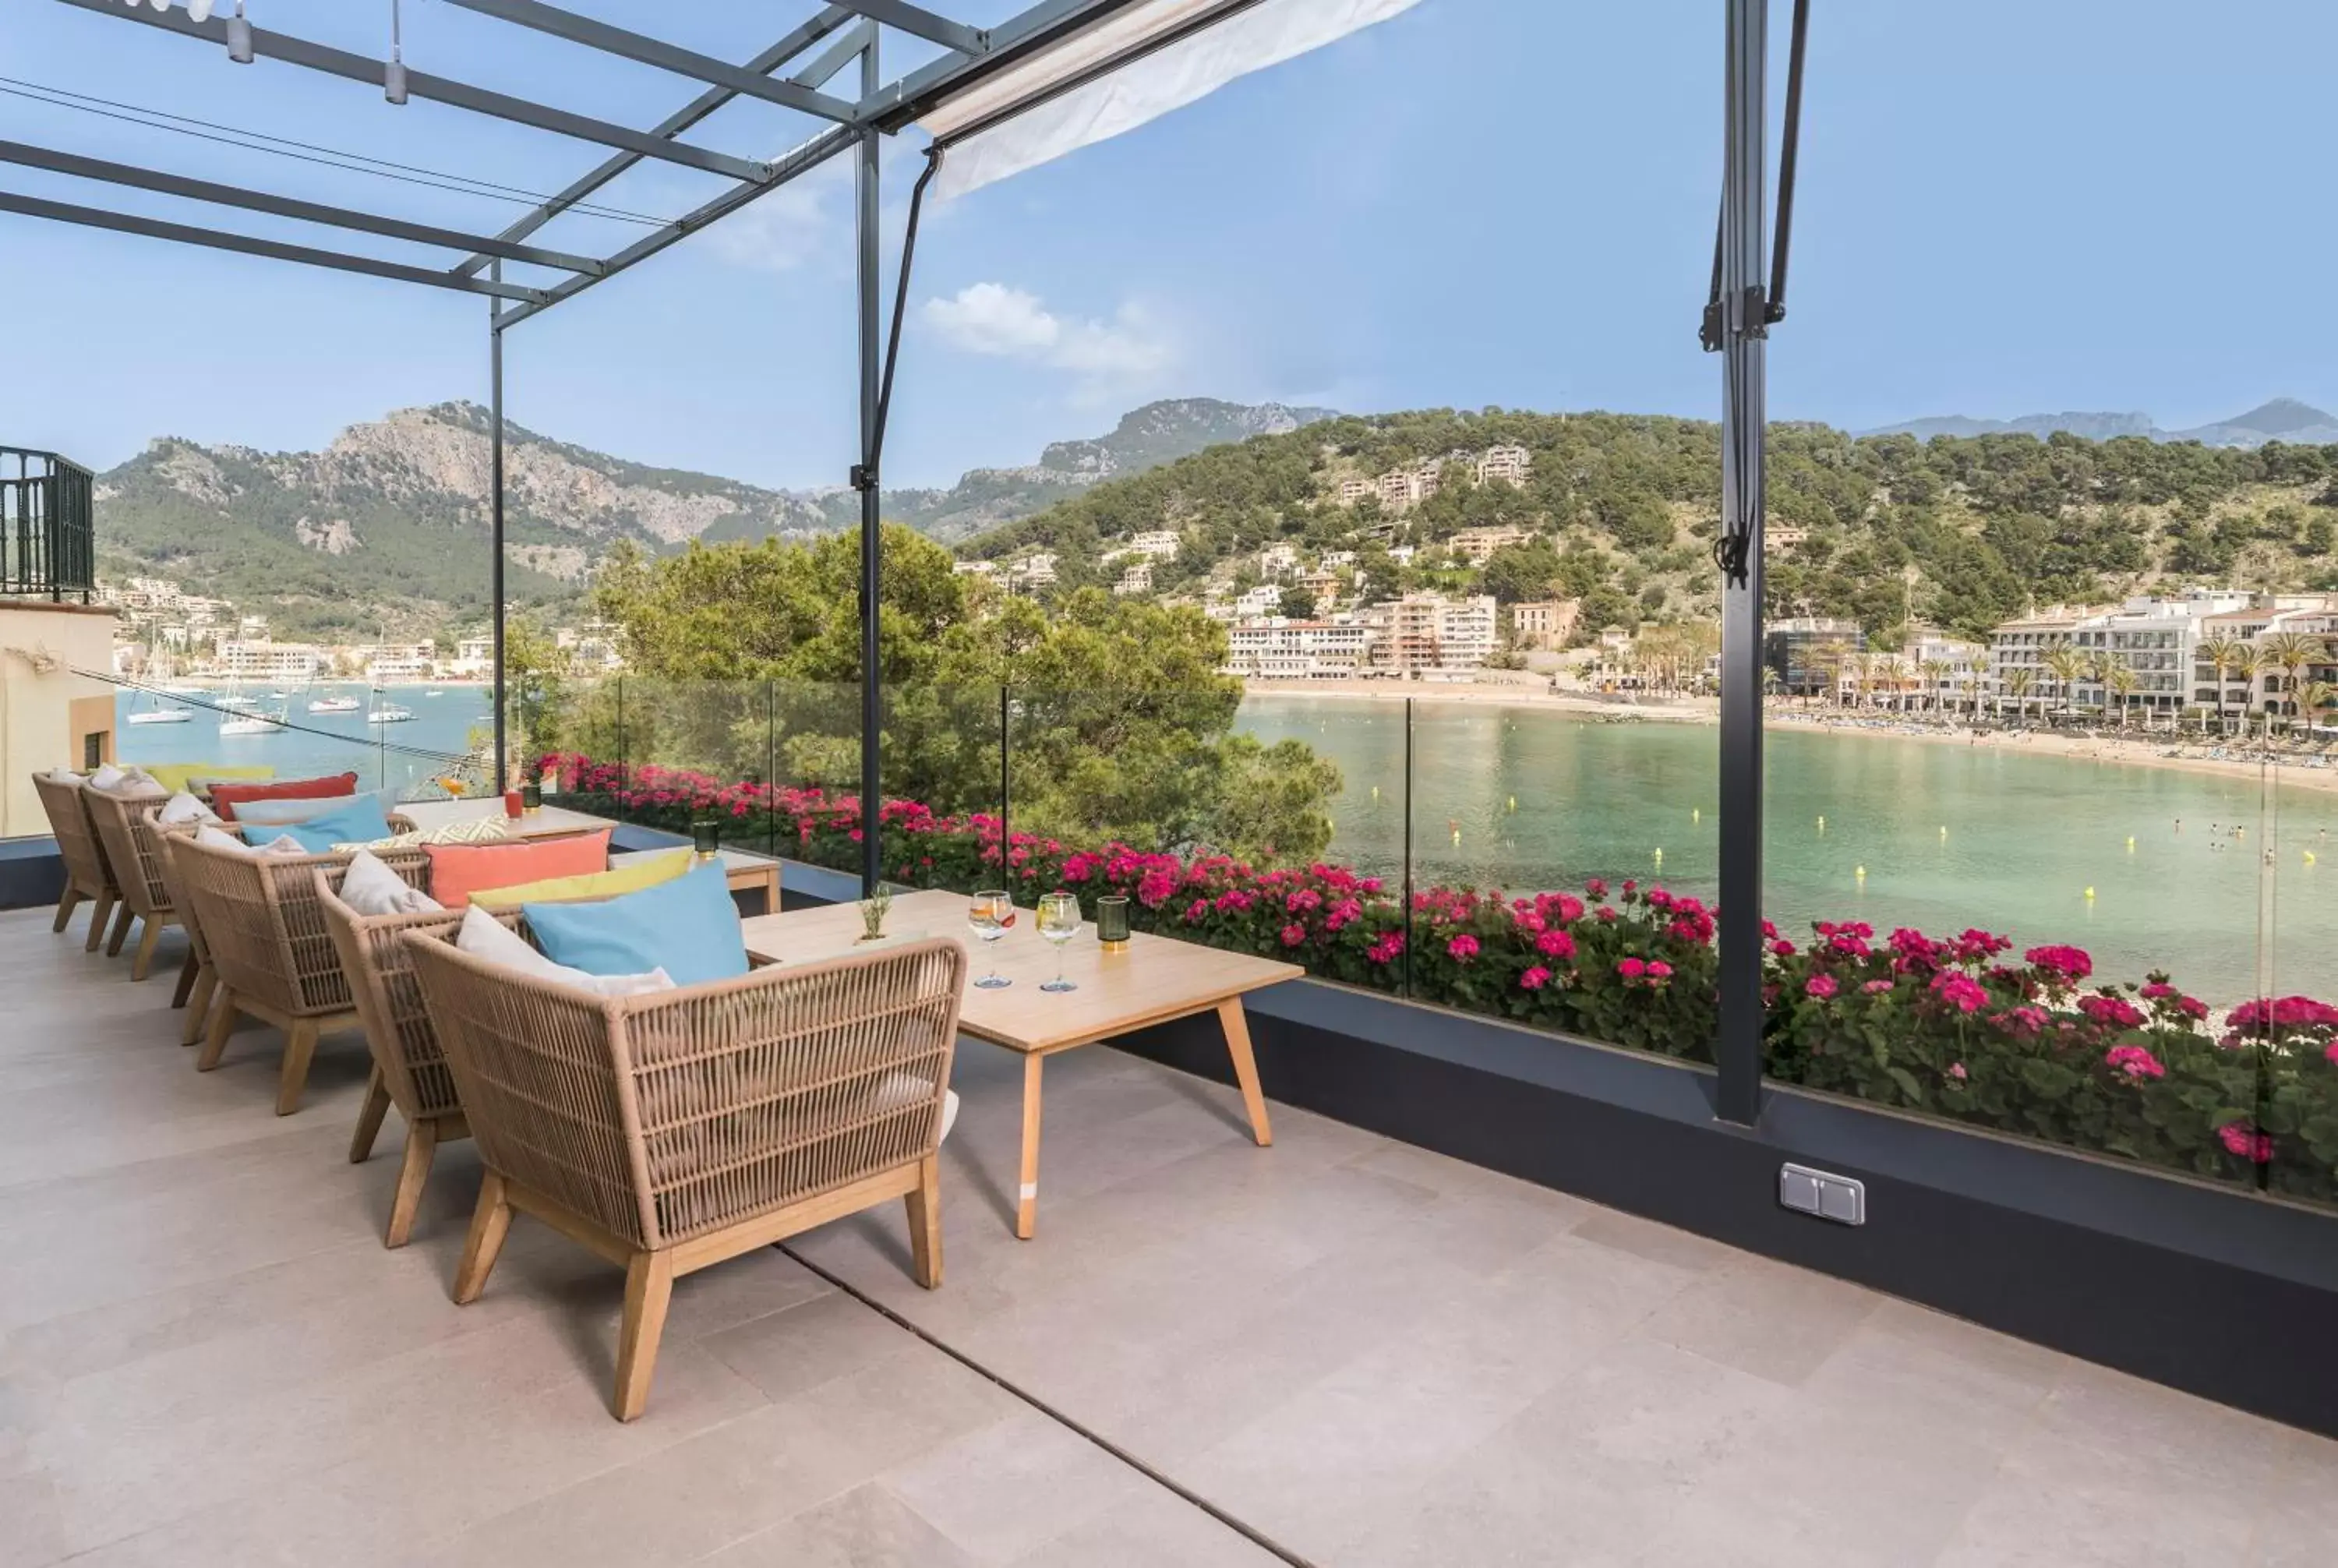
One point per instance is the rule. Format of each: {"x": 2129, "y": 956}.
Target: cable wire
{"x": 308, "y": 152}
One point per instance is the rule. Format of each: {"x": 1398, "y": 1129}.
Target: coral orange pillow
{"x": 459, "y": 870}
{"x": 224, "y": 797}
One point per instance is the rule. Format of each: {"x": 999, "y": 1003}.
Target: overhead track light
{"x": 393, "y": 78}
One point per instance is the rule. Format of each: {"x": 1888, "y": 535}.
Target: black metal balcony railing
{"x": 47, "y": 546}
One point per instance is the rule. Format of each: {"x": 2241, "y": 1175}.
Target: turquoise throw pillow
{"x": 688, "y": 928}
{"x": 359, "y": 820}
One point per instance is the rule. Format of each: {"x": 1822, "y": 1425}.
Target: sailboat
{"x": 261, "y": 723}
{"x": 342, "y": 704}
{"x": 156, "y": 713}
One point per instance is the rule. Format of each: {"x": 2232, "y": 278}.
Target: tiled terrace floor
{"x": 1375, "y": 1356}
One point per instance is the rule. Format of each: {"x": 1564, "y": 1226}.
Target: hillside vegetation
{"x": 1963, "y": 532}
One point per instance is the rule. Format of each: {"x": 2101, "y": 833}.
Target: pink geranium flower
{"x": 1535, "y": 978}
{"x": 2241, "y": 1138}
{"x": 1292, "y": 936}
{"x": 1819, "y": 985}
{"x": 1462, "y": 949}
{"x": 1631, "y": 969}
{"x": 2135, "y": 1061}
{"x": 1555, "y": 945}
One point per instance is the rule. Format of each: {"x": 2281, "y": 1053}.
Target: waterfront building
{"x": 259, "y": 660}
{"x": 1808, "y": 653}
{"x": 389, "y": 663}
{"x": 1544, "y": 624}
{"x": 1421, "y": 633}
{"x": 1284, "y": 650}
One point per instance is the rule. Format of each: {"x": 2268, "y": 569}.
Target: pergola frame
{"x": 1736, "y": 322}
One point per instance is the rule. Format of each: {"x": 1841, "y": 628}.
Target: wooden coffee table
{"x": 1154, "y": 980}
{"x": 743, "y": 869}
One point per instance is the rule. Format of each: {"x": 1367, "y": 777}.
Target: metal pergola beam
{"x": 422, "y": 84}
{"x": 924, "y": 24}
{"x": 746, "y": 82}
{"x": 819, "y": 150}
{"x": 274, "y": 250}
{"x": 31, "y": 157}
{"x": 797, "y": 41}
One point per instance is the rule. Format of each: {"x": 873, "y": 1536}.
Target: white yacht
{"x": 252, "y": 724}
{"x": 335, "y": 705}
{"x": 389, "y": 713}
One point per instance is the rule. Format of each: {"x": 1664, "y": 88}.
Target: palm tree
{"x": 2065, "y": 664}
{"x": 1934, "y": 671}
{"x": 2316, "y": 697}
{"x": 2018, "y": 682}
{"x": 2123, "y": 681}
{"x": 2222, "y": 652}
{"x": 1830, "y": 657}
{"x": 2291, "y": 651}
{"x": 2246, "y": 662}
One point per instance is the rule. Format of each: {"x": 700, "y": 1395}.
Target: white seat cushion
{"x": 370, "y": 888}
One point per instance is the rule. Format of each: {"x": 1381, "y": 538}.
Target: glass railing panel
{"x": 2292, "y": 1025}
{"x": 2039, "y": 924}
{"x": 942, "y": 763}
{"x": 1218, "y": 827}
{"x": 1563, "y": 868}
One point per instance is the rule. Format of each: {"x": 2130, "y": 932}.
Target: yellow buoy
{"x": 1696, "y": 813}
{"x": 1822, "y": 824}
{"x": 2131, "y": 843}
{"x": 1457, "y": 835}
{"x": 1376, "y": 791}
{"x": 1944, "y": 835}
{"x": 2309, "y": 856}
{"x": 1660, "y": 856}
{"x": 1514, "y": 802}
{"x": 2090, "y": 895}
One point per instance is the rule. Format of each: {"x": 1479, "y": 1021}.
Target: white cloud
{"x": 781, "y": 229}
{"x": 1010, "y": 323}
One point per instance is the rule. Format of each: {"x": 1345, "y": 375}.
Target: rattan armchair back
{"x": 87, "y": 875}
{"x": 197, "y": 990}
{"x": 672, "y": 1130}
{"x": 275, "y": 958}
{"x": 128, "y": 841}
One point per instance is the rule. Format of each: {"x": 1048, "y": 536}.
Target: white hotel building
{"x": 1280, "y": 650}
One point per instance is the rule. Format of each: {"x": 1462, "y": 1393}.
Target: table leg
{"x": 1232, "y": 1019}
{"x": 1027, "y": 1196}
{"x": 771, "y": 892}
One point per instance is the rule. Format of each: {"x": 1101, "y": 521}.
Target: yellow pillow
{"x": 177, "y": 776}
{"x": 638, "y": 872}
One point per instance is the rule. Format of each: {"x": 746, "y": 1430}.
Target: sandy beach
{"x": 2237, "y": 760}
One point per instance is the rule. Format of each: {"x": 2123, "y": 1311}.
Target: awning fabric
{"x": 1144, "y": 89}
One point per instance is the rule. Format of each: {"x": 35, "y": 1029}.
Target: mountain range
{"x": 384, "y": 529}
{"x": 2283, "y": 419}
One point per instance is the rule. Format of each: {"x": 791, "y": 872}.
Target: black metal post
{"x": 1405, "y": 971}
{"x": 495, "y": 524}
{"x": 1005, "y": 752}
{"x": 872, "y": 857}
{"x": 1741, "y": 325}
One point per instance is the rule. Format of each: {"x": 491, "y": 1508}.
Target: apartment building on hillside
{"x": 1504, "y": 465}
{"x": 1544, "y": 624}
{"x": 1477, "y": 544}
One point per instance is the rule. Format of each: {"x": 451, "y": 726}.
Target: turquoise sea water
{"x": 1527, "y": 798}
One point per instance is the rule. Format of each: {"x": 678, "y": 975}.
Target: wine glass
{"x": 1059, "y": 922}
{"x": 990, "y": 915}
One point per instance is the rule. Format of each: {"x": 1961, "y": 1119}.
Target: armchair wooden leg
{"x": 65, "y": 904}
{"x": 97, "y": 922}
{"x": 299, "y": 1048}
{"x": 149, "y": 934}
{"x": 187, "y": 973}
{"x": 376, "y": 1106}
{"x": 421, "y": 1143}
{"x": 490, "y": 1223}
{"x": 199, "y": 1005}
{"x": 648, "y": 1287}
{"x": 222, "y": 1026}
{"x": 925, "y": 1207}
{"x": 121, "y": 932}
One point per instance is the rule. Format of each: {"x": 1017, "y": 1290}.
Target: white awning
{"x": 1145, "y": 88}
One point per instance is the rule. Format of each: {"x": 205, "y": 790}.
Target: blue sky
{"x": 2005, "y": 208}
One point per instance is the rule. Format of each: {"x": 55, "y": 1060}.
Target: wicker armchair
{"x": 275, "y": 959}
{"x": 409, "y": 1071}
{"x": 675, "y": 1129}
{"x": 87, "y": 875}
{"x": 128, "y": 840}
{"x": 198, "y": 978}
